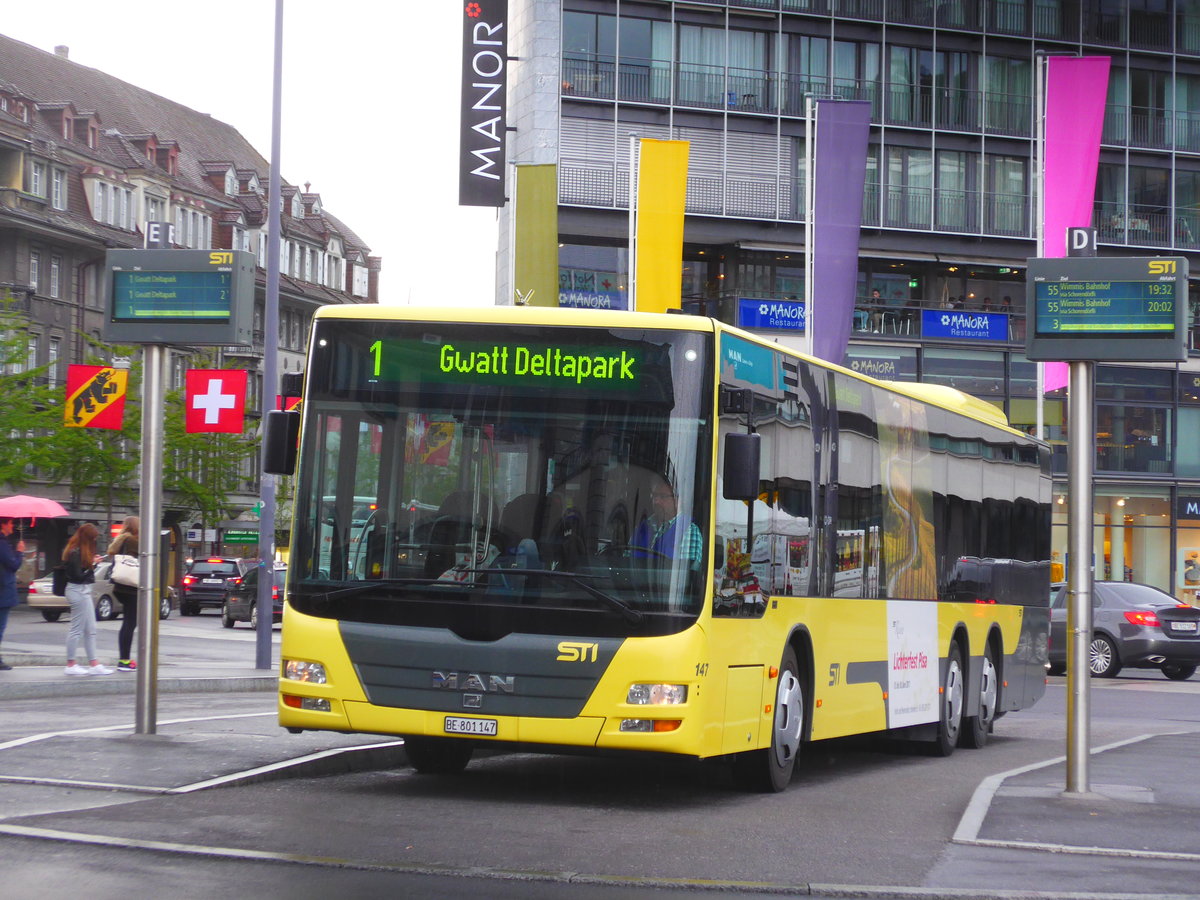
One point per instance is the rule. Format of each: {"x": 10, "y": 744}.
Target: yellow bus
{"x": 622, "y": 531}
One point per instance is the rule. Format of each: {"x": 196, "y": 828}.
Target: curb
{"x": 113, "y": 684}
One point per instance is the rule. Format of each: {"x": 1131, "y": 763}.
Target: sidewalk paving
{"x": 38, "y": 674}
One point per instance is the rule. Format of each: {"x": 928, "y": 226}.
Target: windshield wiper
{"x": 367, "y": 586}
{"x": 628, "y": 613}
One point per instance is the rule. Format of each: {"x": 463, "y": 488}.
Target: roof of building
{"x": 129, "y": 115}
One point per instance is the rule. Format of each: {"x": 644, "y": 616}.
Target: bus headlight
{"x": 656, "y": 694}
{"x": 308, "y": 672}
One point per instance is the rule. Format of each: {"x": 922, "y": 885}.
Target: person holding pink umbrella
{"x": 11, "y": 558}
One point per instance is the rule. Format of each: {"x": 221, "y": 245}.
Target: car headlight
{"x": 656, "y": 694}
{"x": 308, "y": 672}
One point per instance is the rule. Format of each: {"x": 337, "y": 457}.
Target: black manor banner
{"x": 484, "y": 103}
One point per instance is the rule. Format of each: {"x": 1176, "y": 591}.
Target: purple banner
{"x": 839, "y": 174}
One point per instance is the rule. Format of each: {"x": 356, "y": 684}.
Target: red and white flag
{"x": 215, "y": 400}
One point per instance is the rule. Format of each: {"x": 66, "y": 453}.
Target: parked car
{"x": 1133, "y": 625}
{"x": 207, "y": 583}
{"x": 241, "y": 603}
{"x": 41, "y": 597}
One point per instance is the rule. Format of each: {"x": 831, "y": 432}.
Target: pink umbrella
{"x": 22, "y": 506}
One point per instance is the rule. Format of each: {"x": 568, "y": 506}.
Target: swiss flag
{"x": 215, "y": 400}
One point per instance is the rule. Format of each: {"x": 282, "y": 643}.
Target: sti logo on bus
{"x": 577, "y": 651}
{"x": 1161, "y": 266}
{"x": 471, "y": 681}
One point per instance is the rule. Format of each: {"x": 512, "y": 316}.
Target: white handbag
{"x": 125, "y": 570}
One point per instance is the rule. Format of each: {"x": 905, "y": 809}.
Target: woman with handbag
{"x": 126, "y": 543}
{"x": 80, "y": 557}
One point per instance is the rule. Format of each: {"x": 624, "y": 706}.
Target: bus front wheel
{"x": 438, "y": 756}
{"x": 770, "y": 770}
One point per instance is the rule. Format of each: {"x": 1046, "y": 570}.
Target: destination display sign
{"x": 452, "y": 364}
{"x": 199, "y": 296}
{"x": 1097, "y": 308}
{"x": 193, "y": 297}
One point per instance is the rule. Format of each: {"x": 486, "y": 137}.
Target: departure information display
{"x": 1107, "y": 308}
{"x": 186, "y": 297}
{"x": 176, "y": 295}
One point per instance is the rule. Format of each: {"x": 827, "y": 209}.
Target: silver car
{"x": 42, "y": 597}
{"x": 1133, "y": 625}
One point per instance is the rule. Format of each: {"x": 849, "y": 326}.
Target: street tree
{"x": 27, "y": 411}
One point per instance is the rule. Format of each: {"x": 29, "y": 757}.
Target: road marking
{"x": 34, "y": 738}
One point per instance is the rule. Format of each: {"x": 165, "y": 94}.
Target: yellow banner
{"x": 535, "y": 269}
{"x": 661, "y": 197}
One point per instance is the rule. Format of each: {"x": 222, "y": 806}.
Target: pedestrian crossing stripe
{"x": 95, "y": 397}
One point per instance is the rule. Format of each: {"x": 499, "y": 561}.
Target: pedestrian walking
{"x": 80, "y": 558}
{"x": 126, "y": 543}
{"x": 11, "y": 557}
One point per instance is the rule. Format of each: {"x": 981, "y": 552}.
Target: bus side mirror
{"x": 742, "y": 455}
{"x": 281, "y": 438}
{"x": 718, "y": 554}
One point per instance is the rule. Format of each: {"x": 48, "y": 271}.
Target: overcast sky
{"x": 370, "y": 111}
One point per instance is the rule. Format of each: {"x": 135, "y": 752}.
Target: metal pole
{"x": 266, "y": 520}
{"x": 810, "y": 156}
{"x": 1039, "y": 181}
{"x": 633, "y": 146}
{"x": 154, "y": 358}
{"x": 1080, "y": 434}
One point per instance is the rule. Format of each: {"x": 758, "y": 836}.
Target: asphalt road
{"x": 859, "y": 812}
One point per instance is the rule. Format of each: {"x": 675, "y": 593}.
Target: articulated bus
{"x": 610, "y": 532}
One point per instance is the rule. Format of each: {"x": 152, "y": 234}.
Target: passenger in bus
{"x": 665, "y": 533}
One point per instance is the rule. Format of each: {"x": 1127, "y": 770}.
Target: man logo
{"x": 1162, "y": 266}
{"x": 221, "y": 259}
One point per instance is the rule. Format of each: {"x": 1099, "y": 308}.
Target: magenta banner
{"x": 839, "y": 173}
{"x": 1076, "y": 87}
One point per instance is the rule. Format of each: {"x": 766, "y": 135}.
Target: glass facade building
{"x": 949, "y": 208}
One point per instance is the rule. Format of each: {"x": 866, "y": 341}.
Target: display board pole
{"x": 149, "y": 550}
{"x": 1080, "y": 440}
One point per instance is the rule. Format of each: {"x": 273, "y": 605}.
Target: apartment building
{"x": 87, "y": 160}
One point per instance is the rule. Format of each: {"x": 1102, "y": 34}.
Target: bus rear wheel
{"x": 438, "y": 756}
{"x": 770, "y": 770}
{"x": 977, "y": 728}
{"x": 950, "y": 704}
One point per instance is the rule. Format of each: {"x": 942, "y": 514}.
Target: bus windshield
{"x": 495, "y": 479}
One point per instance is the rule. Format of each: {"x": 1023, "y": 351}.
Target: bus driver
{"x": 665, "y": 533}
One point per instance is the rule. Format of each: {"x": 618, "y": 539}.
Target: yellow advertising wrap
{"x": 535, "y": 267}
{"x": 662, "y": 192}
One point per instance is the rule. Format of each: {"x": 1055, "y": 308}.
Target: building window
{"x": 55, "y": 271}
{"x": 35, "y": 267}
{"x": 37, "y": 179}
{"x": 58, "y": 189}
{"x": 1006, "y": 201}
{"x": 52, "y": 361}
{"x": 155, "y": 209}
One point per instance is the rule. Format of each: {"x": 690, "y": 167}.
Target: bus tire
{"x": 770, "y": 770}
{"x": 976, "y": 728}
{"x": 950, "y": 705}
{"x": 438, "y": 756}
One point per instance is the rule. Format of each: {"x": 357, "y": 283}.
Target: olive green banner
{"x": 535, "y": 254}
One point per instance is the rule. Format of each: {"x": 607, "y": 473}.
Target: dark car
{"x": 241, "y": 603}
{"x": 208, "y": 582}
{"x": 1133, "y": 625}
